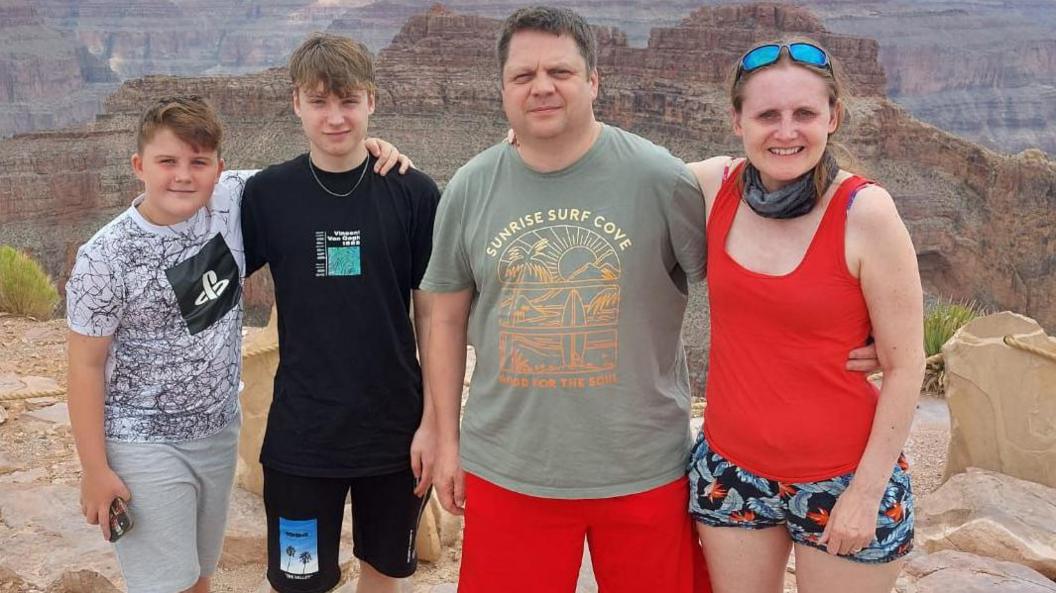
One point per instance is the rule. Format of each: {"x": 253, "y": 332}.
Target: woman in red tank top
{"x": 806, "y": 261}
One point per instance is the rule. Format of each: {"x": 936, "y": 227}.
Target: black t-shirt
{"x": 348, "y": 391}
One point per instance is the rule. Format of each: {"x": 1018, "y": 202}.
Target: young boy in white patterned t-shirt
{"x": 155, "y": 313}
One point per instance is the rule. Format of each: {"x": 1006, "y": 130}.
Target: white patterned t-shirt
{"x": 171, "y": 298}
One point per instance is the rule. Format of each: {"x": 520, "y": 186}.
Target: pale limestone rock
{"x": 9, "y": 383}
{"x": 587, "y": 582}
{"x": 246, "y": 534}
{"x": 991, "y": 515}
{"x": 8, "y": 466}
{"x": 18, "y": 384}
{"x": 450, "y": 527}
{"x": 959, "y": 572}
{"x": 444, "y": 588}
{"x": 1002, "y": 400}
{"x": 406, "y": 586}
{"x": 55, "y": 414}
{"x": 43, "y": 528}
{"x": 21, "y": 476}
{"x": 258, "y": 376}
{"x": 82, "y": 581}
{"x": 10, "y": 582}
{"x": 427, "y": 541}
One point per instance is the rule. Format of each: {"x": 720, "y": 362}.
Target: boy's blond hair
{"x": 190, "y": 117}
{"x": 342, "y": 65}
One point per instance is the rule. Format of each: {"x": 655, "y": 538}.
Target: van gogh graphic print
{"x": 171, "y": 298}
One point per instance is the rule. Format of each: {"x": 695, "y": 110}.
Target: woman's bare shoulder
{"x": 709, "y": 173}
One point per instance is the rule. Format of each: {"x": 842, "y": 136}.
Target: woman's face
{"x": 785, "y": 121}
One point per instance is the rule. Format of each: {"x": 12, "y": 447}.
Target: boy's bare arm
{"x": 447, "y": 369}
{"x": 423, "y": 448}
{"x": 99, "y": 484}
{"x": 387, "y": 156}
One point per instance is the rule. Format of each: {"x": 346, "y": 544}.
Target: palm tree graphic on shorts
{"x": 305, "y": 558}
{"x": 291, "y": 552}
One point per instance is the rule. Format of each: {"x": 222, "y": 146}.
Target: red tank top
{"x": 781, "y": 403}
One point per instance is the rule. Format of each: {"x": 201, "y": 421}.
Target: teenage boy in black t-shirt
{"x": 347, "y": 249}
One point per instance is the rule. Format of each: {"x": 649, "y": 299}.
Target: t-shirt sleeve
{"x": 449, "y": 269}
{"x": 253, "y": 240}
{"x": 686, "y": 224}
{"x": 227, "y": 197}
{"x": 422, "y": 230}
{"x": 95, "y": 293}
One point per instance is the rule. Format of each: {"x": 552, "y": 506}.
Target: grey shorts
{"x": 180, "y": 494}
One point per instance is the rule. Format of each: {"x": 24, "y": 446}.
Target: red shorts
{"x": 515, "y": 543}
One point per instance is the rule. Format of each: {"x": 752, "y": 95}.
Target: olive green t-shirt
{"x": 579, "y": 279}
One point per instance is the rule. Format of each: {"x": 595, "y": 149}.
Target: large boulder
{"x": 1002, "y": 399}
{"x": 260, "y": 360}
{"x": 960, "y": 572}
{"x": 246, "y": 533}
{"x": 992, "y": 515}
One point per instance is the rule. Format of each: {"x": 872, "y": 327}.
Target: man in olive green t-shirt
{"x": 568, "y": 255}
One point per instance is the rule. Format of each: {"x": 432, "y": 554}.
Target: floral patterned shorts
{"x": 724, "y": 495}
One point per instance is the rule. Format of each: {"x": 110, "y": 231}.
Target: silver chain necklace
{"x": 311, "y": 168}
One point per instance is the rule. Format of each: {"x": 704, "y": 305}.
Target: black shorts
{"x": 304, "y": 527}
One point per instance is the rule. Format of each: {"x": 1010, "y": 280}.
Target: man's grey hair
{"x": 554, "y": 20}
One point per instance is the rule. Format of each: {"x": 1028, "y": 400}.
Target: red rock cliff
{"x": 983, "y": 224}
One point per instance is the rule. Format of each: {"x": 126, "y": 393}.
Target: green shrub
{"x": 25, "y": 289}
{"x": 943, "y": 319}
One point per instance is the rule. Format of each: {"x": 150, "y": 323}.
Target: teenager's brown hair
{"x": 342, "y": 65}
{"x": 190, "y": 117}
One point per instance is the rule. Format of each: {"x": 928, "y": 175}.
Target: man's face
{"x": 335, "y": 125}
{"x": 178, "y": 178}
{"x": 547, "y": 92}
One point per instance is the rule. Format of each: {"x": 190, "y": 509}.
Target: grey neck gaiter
{"x": 792, "y": 200}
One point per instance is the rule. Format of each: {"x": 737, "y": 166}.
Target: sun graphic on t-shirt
{"x": 559, "y": 254}
{"x": 560, "y": 305}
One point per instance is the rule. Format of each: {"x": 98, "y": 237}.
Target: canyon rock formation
{"x": 983, "y": 223}
{"x": 47, "y": 78}
{"x": 982, "y": 70}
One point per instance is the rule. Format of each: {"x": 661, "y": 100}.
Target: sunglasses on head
{"x": 765, "y": 55}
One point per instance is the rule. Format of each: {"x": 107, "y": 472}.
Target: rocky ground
{"x": 39, "y": 472}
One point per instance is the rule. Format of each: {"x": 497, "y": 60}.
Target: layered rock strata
{"x": 47, "y": 79}
{"x": 983, "y": 223}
